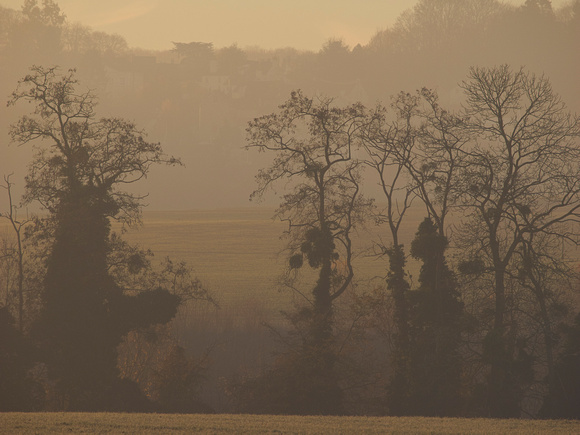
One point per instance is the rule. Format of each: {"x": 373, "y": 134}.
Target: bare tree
{"x": 17, "y": 226}
{"x": 315, "y": 144}
{"x": 388, "y": 145}
{"x": 520, "y": 178}
{"x": 417, "y": 156}
{"x": 547, "y": 277}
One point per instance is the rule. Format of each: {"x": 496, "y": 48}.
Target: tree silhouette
{"x": 314, "y": 145}
{"x": 40, "y": 29}
{"x": 18, "y": 392}
{"x": 436, "y": 325}
{"x": 519, "y": 180}
{"x": 77, "y": 178}
{"x": 416, "y": 156}
{"x": 17, "y": 226}
{"x": 563, "y": 400}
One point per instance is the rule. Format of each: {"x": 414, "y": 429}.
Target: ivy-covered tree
{"x": 77, "y": 175}
{"x": 415, "y": 156}
{"x": 314, "y": 145}
{"x": 435, "y": 328}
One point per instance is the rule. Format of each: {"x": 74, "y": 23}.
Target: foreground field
{"x": 35, "y": 423}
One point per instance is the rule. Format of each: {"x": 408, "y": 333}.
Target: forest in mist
{"x": 422, "y": 260}
{"x": 196, "y": 100}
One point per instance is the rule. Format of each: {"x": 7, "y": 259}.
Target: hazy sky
{"x": 303, "y": 24}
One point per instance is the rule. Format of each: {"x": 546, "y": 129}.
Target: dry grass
{"x": 237, "y": 253}
{"x": 234, "y": 252}
{"x": 110, "y": 423}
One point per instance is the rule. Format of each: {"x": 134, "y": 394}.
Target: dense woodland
{"x": 464, "y": 109}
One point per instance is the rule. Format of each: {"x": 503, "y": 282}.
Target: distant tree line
{"x": 198, "y": 96}
{"x": 427, "y": 42}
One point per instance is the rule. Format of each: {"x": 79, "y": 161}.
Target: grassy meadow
{"x": 233, "y": 252}
{"x": 110, "y": 423}
{"x": 239, "y": 253}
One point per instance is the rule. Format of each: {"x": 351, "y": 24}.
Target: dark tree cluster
{"x": 85, "y": 311}
{"x": 469, "y": 341}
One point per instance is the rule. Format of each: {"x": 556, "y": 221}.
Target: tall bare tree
{"x": 520, "y": 178}
{"x": 417, "y": 156}
{"x": 314, "y": 146}
{"x": 387, "y": 145}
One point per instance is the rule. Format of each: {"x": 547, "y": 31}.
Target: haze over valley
{"x": 198, "y": 107}
{"x": 290, "y": 208}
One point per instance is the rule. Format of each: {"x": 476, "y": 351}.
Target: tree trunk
{"x": 399, "y": 384}
{"x": 497, "y": 347}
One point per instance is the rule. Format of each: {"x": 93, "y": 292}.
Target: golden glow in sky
{"x": 302, "y": 24}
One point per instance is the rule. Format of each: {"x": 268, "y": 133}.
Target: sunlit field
{"x": 238, "y": 253}
{"x": 34, "y": 423}
{"x": 233, "y": 252}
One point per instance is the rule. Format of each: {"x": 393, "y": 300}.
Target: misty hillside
{"x": 197, "y": 99}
